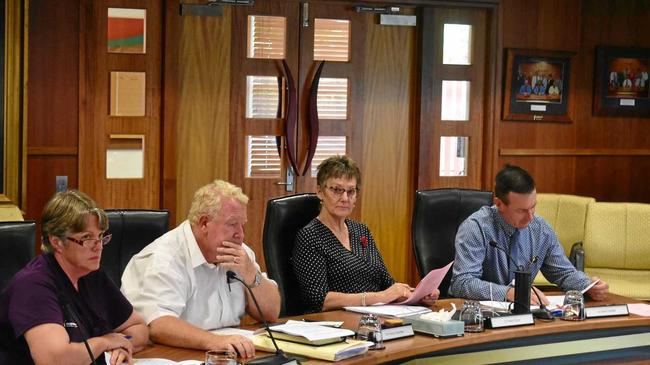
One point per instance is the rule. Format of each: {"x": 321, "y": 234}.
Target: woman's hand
{"x": 120, "y": 347}
{"x": 429, "y": 299}
{"x": 396, "y": 292}
{"x": 120, "y": 356}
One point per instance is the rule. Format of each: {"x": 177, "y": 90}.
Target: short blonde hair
{"x": 66, "y": 212}
{"x": 209, "y": 198}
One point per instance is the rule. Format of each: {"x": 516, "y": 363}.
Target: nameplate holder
{"x": 607, "y": 311}
{"x": 512, "y": 320}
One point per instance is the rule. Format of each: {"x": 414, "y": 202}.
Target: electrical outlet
{"x": 61, "y": 183}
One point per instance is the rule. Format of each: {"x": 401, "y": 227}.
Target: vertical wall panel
{"x": 389, "y": 93}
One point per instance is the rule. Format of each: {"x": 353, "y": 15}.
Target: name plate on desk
{"x": 607, "y": 311}
{"x": 510, "y": 320}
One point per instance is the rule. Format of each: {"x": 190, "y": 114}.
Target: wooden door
{"x": 119, "y": 102}
{"x": 275, "y": 73}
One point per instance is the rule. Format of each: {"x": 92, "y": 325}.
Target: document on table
{"x": 233, "y": 331}
{"x": 640, "y": 309}
{"x": 311, "y": 331}
{"x": 155, "y": 361}
{"x": 427, "y": 285}
{"x": 390, "y": 310}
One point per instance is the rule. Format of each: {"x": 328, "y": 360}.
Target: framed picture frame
{"x": 621, "y": 86}
{"x": 537, "y": 85}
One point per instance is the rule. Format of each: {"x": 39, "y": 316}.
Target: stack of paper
{"x": 309, "y": 333}
{"x": 334, "y": 352}
{"x": 396, "y": 311}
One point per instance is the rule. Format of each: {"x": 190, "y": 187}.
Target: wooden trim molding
{"x": 52, "y": 151}
{"x": 573, "y": 152}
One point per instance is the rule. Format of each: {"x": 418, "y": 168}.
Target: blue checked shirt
{"x": 478, "y": 265}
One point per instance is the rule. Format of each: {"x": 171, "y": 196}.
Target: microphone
{"x": 65, "y": 304}
{"x": 522, "y": 284}
{"x": 279, "y": 357}
{"x": 542, "y": 313}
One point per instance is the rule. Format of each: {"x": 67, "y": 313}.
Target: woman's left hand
{"x": 431, "y": 298}
{"x": 120, "y": 356}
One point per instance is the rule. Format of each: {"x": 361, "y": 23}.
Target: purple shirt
{"x": 37, "y": 295}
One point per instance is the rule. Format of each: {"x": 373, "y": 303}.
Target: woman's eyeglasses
{"x": 338, "y": 192}
{"x": 91, "y": 242}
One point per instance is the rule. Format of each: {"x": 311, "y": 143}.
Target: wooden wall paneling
{"x": 390, "y": 86}
{"x": 52, "y": 94}
{"x": 95, "y": 124}
{"x": 202, "y": 131}
{"x": 44, "y": 169}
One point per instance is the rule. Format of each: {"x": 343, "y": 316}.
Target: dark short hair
{"x": 336, "y": 167}
{"x": 512, "y": 179}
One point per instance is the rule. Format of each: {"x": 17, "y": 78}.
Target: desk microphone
{"x": 279, "y": 357}
{"x": 524, "y": 273}
{"x": 522, "y": 284}
{"x": 65, "y": 304}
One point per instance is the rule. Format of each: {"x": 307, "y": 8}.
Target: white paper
{"x": 156, "y": 361}
{"x": 336, "y": 324}
{"x": 590, "y": 286}
{"x": 310, "y": 331}
{"x": 390, "y": 310}
{"x": 427, "y": 285}
{"x": 233, "y": 331}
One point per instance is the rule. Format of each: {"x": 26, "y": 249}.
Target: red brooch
{"x": 364, "y": 241}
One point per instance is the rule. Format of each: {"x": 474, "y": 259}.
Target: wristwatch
{"x": 257, "y": 281}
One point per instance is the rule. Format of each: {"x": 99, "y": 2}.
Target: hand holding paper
{"x": 427, "y": 285}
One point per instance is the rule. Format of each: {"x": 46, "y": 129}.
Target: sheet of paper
{"x": 390, "y": 310}
{"x": 311, "y": 331}
{"x": 590, "y": 286}
{"x": 336, "y": 324}
{"x": 233, "y": 331}
{"x": 640, "y": 309}
{"x": 555, "y": 301}
{"x": 427, "y": 285}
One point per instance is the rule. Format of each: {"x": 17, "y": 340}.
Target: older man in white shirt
{"x": 179, "y": 283}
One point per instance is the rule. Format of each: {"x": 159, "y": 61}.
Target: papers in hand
{"x": 590, "y": 286}
{"x": 396, "y": 311}
{"x": 427, "y": 285}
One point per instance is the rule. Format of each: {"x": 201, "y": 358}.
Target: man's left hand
{"x": 232, "y": 256}
{"x": 599, "y": 290}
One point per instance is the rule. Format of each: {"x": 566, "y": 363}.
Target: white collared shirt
{"x": 171, "y": 277}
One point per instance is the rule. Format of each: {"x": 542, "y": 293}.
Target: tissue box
{"x": 451, "y": 328}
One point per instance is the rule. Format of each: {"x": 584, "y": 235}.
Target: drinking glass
{"x": 573, "y": 308}
{"x": 370, "y": 330}
{"x": 214, "y": 357}
{"x": 471, "y": 314}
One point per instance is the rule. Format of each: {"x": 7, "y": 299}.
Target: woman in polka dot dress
{"x": 335, "y": 258}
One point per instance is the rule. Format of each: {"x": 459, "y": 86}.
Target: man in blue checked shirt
{"x": 484, "y": 272}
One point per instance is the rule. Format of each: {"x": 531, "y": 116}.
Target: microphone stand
{"x": 522, "y": 284}
{"x": 279, "y": 357}
{"x": 73, "y": 316}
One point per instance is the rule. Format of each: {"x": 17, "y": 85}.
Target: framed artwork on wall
{"x": 621, "y": 86}
{"x": 537, "y": 85}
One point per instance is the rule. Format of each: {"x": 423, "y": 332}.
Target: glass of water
{"x": 214, "y": 357}
{"x": 370, "y": 330}
{"x": 573, "y": 308}
{"x": 471, "y": 314}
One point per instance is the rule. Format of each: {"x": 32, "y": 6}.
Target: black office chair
{"x": 18, "y": 243}
{"x": 437, "y": 214}
{"x": 285, "y": 216}
{"x": 132, "y": 230}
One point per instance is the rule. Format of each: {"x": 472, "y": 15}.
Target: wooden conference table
{"x": 612, "y": 340}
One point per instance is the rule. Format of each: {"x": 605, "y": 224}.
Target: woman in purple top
{"x": 60, "y": 299}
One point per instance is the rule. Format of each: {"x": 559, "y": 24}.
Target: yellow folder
{"x": 334, "y": 352}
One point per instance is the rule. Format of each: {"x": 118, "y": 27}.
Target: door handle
{"x": 313, "y": 117}
{"x": 288, "y": 183}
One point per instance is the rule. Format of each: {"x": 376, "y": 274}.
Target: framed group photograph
{"x": 621, "y": 84}
{"x": 537, "y": 85}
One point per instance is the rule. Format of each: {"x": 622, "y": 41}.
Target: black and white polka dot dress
{"x": 322, "y": 264}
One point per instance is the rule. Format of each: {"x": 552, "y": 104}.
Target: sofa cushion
{"x": 618, "y": 236}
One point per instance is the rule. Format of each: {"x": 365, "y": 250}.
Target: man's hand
{"x": 233, "y": 257}
{"x": 599, "y": 290}
{"x": 236, "y": 343}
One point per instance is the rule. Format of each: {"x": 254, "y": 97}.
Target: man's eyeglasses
{"x": 338, "y": 192}
{"x": 91, "y": 242}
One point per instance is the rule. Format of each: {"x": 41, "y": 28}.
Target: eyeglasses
{"x": 91, "y": 242}
{"x": 338, "y": 192}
